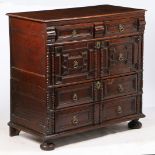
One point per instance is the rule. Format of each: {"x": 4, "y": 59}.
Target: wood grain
{"x": 75, "y": 70}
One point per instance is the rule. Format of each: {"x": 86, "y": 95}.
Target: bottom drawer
{"x": 118, "y": 108}
{"x": 74, "y": 118}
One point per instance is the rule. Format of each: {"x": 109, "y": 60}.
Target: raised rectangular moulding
{"x": 118, "y": 108}
{"x": 74, "y": 95}
{"x": 74, "y": 118}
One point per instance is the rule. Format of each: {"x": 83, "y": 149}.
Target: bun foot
{"x": 14, "y": 132}
{"x": 47, "y": 146}
{"x": 134, "y": 124}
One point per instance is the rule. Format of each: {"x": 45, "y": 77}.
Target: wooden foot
{"x": 134, "y": 124}
{"x": 47, "y": 146}
{"x": 14, "y": 132}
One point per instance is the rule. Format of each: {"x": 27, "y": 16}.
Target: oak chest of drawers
{"x": 74, "y": 70}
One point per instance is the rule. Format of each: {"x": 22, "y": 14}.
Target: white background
{"x": 123, "y": 141}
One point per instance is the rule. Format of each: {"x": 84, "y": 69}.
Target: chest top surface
{"x": 73, "y": 13}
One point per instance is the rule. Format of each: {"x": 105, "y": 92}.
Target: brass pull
{"x": 120, "y": 88}
{"x": 76, "y": 64}
{"x": 75, "y": 98}
{"x": 119, "y": 109}
{"x": 75, "y": 120}
{"x": 98, "y": 44}
{"x": 98, "y": 85}
{"x": 121, "y": 28}
{"x": 121, "y": 57}
{"x": 74, "y": 33}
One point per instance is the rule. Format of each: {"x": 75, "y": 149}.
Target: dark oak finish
{"x": 135, "y": 124}
{"x": 117, "y": 108}
{"x": 47, "y": 146}
{"x": 73, "y": 118}
{"x": 14, "y": 131}
{"x": 75, "y": 70}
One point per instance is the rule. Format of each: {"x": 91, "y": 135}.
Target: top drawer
{"x": 122, "y": 26}
{"x": 98, "y": 29}
{"x": 74, "y": 32}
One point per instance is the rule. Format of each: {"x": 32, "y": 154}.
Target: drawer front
{"x": 74, "y": 95}
{"x": 119, "y": 86}
{"x": 121, "y": 26}
{"x": 120, "y": 55}
{"x": 74, "y": 62}
{"x": 118, "y": 108}
{"x": 74, "y": 32}
{"x": 74, "y": 118}
{"x": 97, "y": 29}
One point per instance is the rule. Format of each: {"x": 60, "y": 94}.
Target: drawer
{"x": 118, "y": 108}
{"x": 121, "y": 26}
{"x": 74, "y": 118}
{"x": 74, "y": 62}
{"x": 119, "y": 86}
{"x": 83, "y": 31}
{"x": 74, "y": 32}
{"x": 74, "y": 95}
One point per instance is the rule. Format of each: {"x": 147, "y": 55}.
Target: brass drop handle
{"x": 75, "y": 64}
{"x": 74, "y": 33}
{"x": 120, "y": 88}
{"x": 121, "y": 57}
{"x": 98, "y": 85}
{"x": 121, "y": 28}
{"x": 119, "y": 110}
{"x": 98, "y": 44}
{"x": 75, "y": 97}
{"x": 75, "y": 120}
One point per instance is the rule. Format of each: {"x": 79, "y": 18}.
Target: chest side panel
{"x": 28, "y": 74}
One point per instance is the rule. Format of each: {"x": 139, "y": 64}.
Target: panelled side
{"x": 28, "y": 74}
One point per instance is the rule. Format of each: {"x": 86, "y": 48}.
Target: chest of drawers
{"x": 74, "y": 70}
